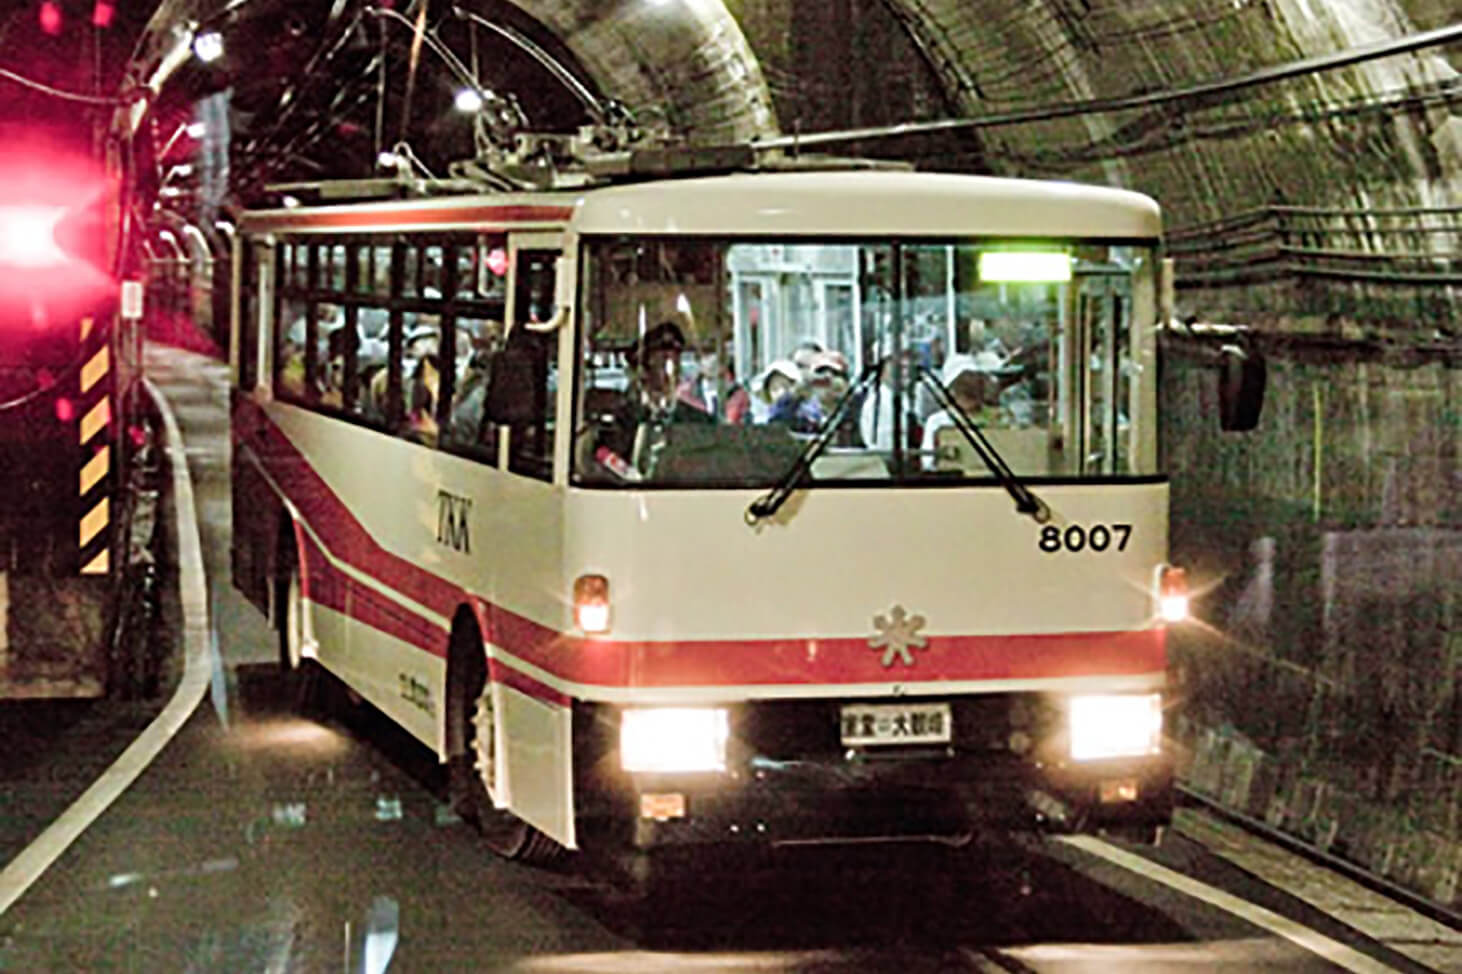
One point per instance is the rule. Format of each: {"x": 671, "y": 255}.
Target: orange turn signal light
{"x": 662, "y": 807}
{"x": 591, "y": 603}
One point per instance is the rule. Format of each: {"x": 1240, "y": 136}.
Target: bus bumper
{"x": 787, "y": 781}
{"x": 948, "y": 800}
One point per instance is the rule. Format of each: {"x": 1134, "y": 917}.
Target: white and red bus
{"x": 766, "y": 507}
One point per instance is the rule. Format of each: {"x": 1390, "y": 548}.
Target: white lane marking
{"x": 1317, "y": 943}
{"x": 37, "y": 857}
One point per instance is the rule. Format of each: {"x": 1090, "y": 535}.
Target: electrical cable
{"x": 1098, "y": 106}
{"x": 108, "y": 101}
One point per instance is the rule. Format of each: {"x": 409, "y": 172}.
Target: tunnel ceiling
{"x": 306, "y": 83}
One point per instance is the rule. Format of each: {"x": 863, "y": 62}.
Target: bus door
{"x": 532, "y": 333}
{"x": 1099, "y": 370}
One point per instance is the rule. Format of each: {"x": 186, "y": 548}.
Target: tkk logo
{"x": 452, "y": 514}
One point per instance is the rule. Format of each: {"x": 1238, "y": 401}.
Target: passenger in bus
{"x": 421, "y": 401}
{"x": 332, "y": 391}
{"x": 971, "y": 388}
{"x": 813, "y": 401}
{"x": 806, "y": 350}
{"x": 291, "y": 368}
{"x": 876, "y": 413}
{"x": 714, "y": 389}
{"x": 469, "y": 398}
{"x": 778, "y": 380}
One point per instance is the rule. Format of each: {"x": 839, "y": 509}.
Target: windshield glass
{"x": 712, "y": 363}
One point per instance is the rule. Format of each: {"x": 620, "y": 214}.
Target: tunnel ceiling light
{"x": 468, "y": 101}
{"x": 208, "y": 46}
{"x": 195, "y": 130}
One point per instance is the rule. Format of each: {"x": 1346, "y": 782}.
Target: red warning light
{"x": 28, "y": 236}
{"x": 496, "y": 260}
{"x": 50, "y": 17}
{"x": 56, "y": 231}
{"x": 65, "y": 410}
{"x": 101, "y": 14}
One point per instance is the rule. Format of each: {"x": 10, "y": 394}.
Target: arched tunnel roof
{"x": 322, "y": 87}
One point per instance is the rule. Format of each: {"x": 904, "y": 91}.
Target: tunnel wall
{"x": 1321, "y": 691}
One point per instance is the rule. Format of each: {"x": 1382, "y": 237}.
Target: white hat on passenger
{"x": 957, "y": 365}
{"x": 783, "y": 367}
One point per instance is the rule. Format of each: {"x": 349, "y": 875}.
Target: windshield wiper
{"x": 772, "y": 501}
{"x": 1025, "y": 501}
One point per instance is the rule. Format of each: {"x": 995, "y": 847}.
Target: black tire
{"x": 301, "y": 677}
{"x": 470, "y": 767}
{"x": 291, "y": 622}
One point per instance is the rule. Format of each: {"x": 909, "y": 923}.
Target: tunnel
{"x": 1307, "y": 157}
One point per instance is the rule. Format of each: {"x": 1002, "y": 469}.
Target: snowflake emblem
{"x": 897, "y": 634}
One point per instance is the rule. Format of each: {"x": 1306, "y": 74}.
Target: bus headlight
{"x": 673, "y": 739}
{"x": 1116, "y": 726}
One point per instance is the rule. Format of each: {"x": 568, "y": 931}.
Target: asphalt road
{"x": 263, "y": 838}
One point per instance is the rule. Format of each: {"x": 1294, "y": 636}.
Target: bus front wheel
{"x": 472, "y": 768}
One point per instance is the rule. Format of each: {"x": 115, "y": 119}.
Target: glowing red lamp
{"x": 28, "y": 236}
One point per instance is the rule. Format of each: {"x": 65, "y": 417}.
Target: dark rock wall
{"x": 1321, "y": 690}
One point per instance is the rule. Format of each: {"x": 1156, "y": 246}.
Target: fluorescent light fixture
{"x": 1024, "y": 265}
{"x": 1116, "y": 726}
{"x": 673, "y": 739}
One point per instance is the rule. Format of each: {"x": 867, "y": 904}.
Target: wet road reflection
{"x": 321, "y": 843}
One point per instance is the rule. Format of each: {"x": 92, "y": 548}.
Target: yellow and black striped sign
{"x": 95, "y": 440}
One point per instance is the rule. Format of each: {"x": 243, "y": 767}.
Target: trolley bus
{"x": 749, "y": 507}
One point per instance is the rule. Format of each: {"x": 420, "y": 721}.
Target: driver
{"x": 630, "y": 443}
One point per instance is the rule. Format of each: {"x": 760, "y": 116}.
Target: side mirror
{"x": 1242, "y": 374}
{"x": 515, "y": 392}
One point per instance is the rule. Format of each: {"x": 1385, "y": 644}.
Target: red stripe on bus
{"x": 759, "y": 662}
{"x": 504, "y": 215}
{"x": 379, "y": 612}
{"x": 727, "y": 662}
{"x": 504, "y": 673}
{"x": 348, "y": 539}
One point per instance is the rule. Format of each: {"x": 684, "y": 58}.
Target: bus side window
{"x": 289, "y": 350}
{"x": 467, "y": 431}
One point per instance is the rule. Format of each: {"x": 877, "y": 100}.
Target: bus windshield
{"x": 712, "y": 363}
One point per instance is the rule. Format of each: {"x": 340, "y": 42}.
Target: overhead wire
{"x": 1198, "y": 93}
{"x": 105, "y": 101}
